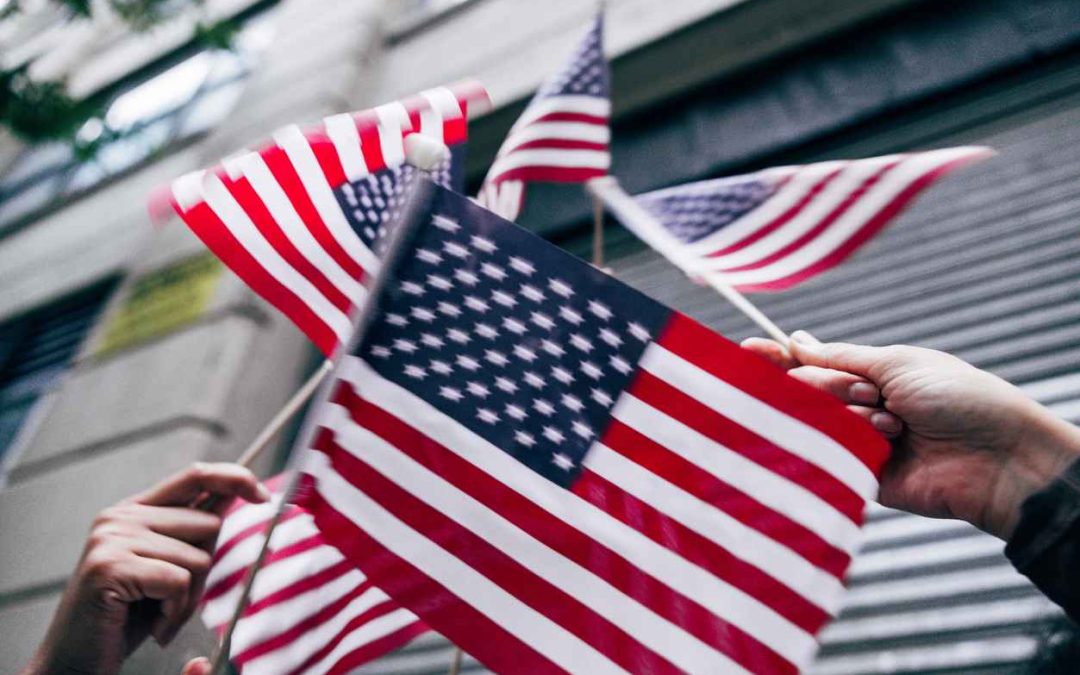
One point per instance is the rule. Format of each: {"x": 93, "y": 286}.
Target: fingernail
{"x": 863, "y": 392}
{"x": 804, "y": 338}
{"x": 885, "y": 423}
{"x": 263, "y": 491}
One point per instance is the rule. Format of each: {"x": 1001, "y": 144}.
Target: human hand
{"x": 966, "y": 444}
{"x": 197, "y": 666}
{"x": 142, "y": 570}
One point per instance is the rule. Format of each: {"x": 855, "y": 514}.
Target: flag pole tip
{"x": 425, "y": 153}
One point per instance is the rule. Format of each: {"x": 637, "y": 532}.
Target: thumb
{"x": 197, "y": 666}
{"x": 849, "y": 358}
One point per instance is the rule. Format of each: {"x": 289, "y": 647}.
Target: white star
{"x": 476, "y": 304}
{"x": 430, "y": 340}
{"x": 581, "y": 343}
{"x": 516, "y": 412}
{"x": 506, "y": 385}
{"x": 611, "y": 337}
{"x": 591, "y": 369}
{"x": 441, "y": 283}
{"x": 525, "y": 439}
{"x": 451, "y": 394}
{"x": 542, "y": 320}
{"x": 455, "y": 249}
{"x": 571, "y": 315}
{"x": 521, "y": 265}
{"x": 514, "y": 326}
{"x": 524, "y": 353}
{"x": 498, "y": 358}
{"x": 544, "y": 407}
{"x": 560, "y": 287}
{"x": 620, "y": 364}
{"x": 572, "y": 402}
{"x": 554, "y": 435}
{"x": 494, "y": 271}
{"x": 581, "y": 429}
{"x": 412, "y": 288}
{"x": 449, "y": 310}
{"x": 532, "y": 293}
{"x": 424, "y": 255}
{"x": 485, "y": 415}
{"x": 477, "y": 389}
{"x": 415, "y": 372}
{"x": 600, "y": 309}
{"x": 601, "y": 397}
{"x": 559, "y": 459}
{"x": 458, "y": 336}
{"x": 445, "y": 223}
{"x": 534, "y": 380}
{"x": 486, "y": 331}
{"x": 405, "y": 346}
{"x": 484, "y": 244}
{"x": 552, "y": 348}
{"x": 441, "y": 367}
{"x": 423, "y": 314}
{"x": 396, "y": 320}
{"x": 562, "y": 375}
{"x": 466, "y": 277}
{"x": 503, "y": 298}
{"x": 468, "y": 362}
{"x": 638, "y": 331}
{"x": 380, "y": 351}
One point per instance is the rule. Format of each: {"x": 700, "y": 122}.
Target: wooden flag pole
{"x": 644, "y": 225}
{"x": 425, "y": 154}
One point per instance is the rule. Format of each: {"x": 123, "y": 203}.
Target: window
{"x": 35, "y": 350}
{"x": 186, "y": 99}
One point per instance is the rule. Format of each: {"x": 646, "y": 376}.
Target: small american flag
{"x": 299, "y": 219}
{"x": 771, "y": 230}
{"x": 310, "y": 610}
{"x": 562, "y": 475}
{"x": 563, "y": 135}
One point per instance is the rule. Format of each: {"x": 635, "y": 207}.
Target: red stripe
{"x": 301, "y": 586}
{"x": 757, "y": 377}
{"x": 225, "y": 584}
{"x": 782, "y": 219}
{"x": 865, "y": 233}
{"x": 285, "y": 174}
{"x": 558, "y": 144}
{"x": 551, "y": 174}
{"x": 822, "y": 225}
{"x": 681, "y": 611}
{"x": 701, "y": 551}
{"x": 252, "y": 530}
{"x": 374, "y": 649}
{"x": 208, "y": 227}
{"x": 598, "y": 120}
{"x": 249, "y": 200}
{"x": 367, "y": 125}
{"x": 501, "y": 569}
{"x": 711, "y": 424}
{"x": 327, "y": 157}
{"x": 440, "y": 609}
{"x": 692, "y": 479}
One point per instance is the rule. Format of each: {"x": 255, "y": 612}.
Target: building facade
{"x": 127, "y": 353}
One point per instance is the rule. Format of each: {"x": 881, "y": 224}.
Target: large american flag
{"x": 773, "y": 229}
{"x": 299, "y": 219}
{"x": 562, "y": 475}
{"x": 310, "y": 610}
{"x": 562, "y": 137}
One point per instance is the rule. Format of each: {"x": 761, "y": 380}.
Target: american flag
{"x": 562, "y": 475}
{"x": 310, "y": 610}
{"x": 773, "y": 229}
{"x": 563, "y": 135}
{"x": 299, "y": 219}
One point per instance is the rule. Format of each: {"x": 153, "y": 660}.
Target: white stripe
{"x": 287, "y": 571}
{"x": 791, "y": 434}
{"x": 277, "y": 202}
{"x": 586, "y": 159}
{"x": 244, "y": 517}
{"x": 187, "y": 190}
{"x": 377, "y": 628}
{"x": 302, "y": 157}
{"x": 665, "y": 565}
{"x": 560, "y": 131}
{"x": 868, "y": 205}
{"x": 393, "y": 121}
{"x": 664, "y": 638}
{"x": 546, "y": 637}
{"x": 584, "y": 105}
{"x": 746, "y": 543}
{"x": 238, "y": 223}
{"x": 342, "y": 131}
{"x": 442, "y": 105}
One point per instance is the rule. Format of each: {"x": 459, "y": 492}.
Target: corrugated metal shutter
{"x": 986, "y": 266}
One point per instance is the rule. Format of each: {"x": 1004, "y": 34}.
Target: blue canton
{"x": 586, "y": 74}
{"x": 522, "y": 343}
{"x": 694, "y": 212}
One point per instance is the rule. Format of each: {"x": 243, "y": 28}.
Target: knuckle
{"x": 102, "y": 563}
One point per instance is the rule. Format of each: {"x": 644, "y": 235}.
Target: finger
{"x": 160, "y": 547}
{"x": 772, "y": 351}
{"x": 227, "y": 480}
{"x": 163, "y": 581}
{"x": 198, "y": 666}
{"x": 857, "y": 359}
{"x": 887, "y": 424}
{"x": 190, "y": 525}
{"x": 844, "y": 386}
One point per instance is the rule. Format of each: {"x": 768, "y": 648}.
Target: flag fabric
{"x": 776, "y": 228}
{"x": 310, "y": 610}
{"x": 562, "y": 137}
{"x": 562, "y": 475}
{"x": 299, "y": 219}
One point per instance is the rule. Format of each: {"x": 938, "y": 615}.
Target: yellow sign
{"x": 161, "y": 302}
